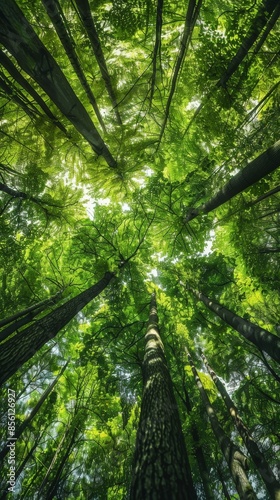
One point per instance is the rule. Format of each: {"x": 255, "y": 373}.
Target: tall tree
{"x": 272, "y": 484}
{"x": 252, "y": 173}
{"x": 261, "y": 338}
{"x": 161, "y": 467}
{"x": 235, "y": 459}
{"x": 21, "y": 428}
{"x": 20, "y": 348}
{"x": 19, "y": 38}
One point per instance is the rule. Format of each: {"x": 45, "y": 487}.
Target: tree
{"x": 20, "y": 348}
{"x": 161, "y": 467}
{"x": 263, "y": 340}
{"x": 272, "y": 485}
{"x": 235, "y": 459}
{"x": 253, "y": 172}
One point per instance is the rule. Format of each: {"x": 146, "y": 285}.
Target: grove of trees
{"x": 140, "y": 241}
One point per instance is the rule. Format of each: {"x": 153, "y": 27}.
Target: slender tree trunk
{"x": 17, "y": 76}
{"x": 54, "y": 12}
{"x": 235, "y": 459}
{"x": 161, "y": 469}
{"x": 252, "y": 173}
{"x": 224, "y": 488}
{"x": 20, "y": 348}
{"x": 264, "y": 196}
{"x": 191, "y": 18}
{"x": 87, "y": 19}
{"x": 198, "y": 450}
{"x": 26, "y": 423}
{"x": 261, "y": 338}
{"x": 54, "y": 459}
{"x": 43, "y": 303}
{"x": 19, "y": 38}
{"x": 50, "y": 493}
{"x": 157, "y": 47}
{"x": 272, "y": 485}
{"x": 257, "y": 25}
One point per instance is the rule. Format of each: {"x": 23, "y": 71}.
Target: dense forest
{"x": 140, "y": 241}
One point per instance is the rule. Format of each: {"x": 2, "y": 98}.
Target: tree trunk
{"x": 235, "y": 459}
{"x": 17, "y": 76}
{"x": 86, "y": 16}
{"x": 272, "y": 485}
{"x": 26, "y": 422}
{"x": 257, "y": 25}
{"x": 54, "y": 12}
{"x": 20, "y": 348}
{"x": 157, "y": 47}
{"x": 50, "y": 493}
{"x": 19, "y": 38}
{"x": 261, "y": 338}
{"x": 161, "y": 468}
{"x": 44, "y": 303}
{"x": 198, "y": 450}
{"x": 191, "y": 17}
{"x": 263, "y": 197}
{"x": 252, "y": 173}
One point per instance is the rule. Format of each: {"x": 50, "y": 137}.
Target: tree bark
{"x": 87, "y": 19}
{"x": 20, "y": 348}
{"x": 261, "y": 338}
{"x": 24, "y": 425}
{"x": 54, "y": 12}
{"x": 19, "y": 38}
{"x": 161, "y": 468}
{"x": 237, "y": 462}
{"x": 271, "y": 483}
{"x": 252, "y": 173}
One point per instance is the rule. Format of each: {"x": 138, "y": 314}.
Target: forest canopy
{"x": 139, "y": 202}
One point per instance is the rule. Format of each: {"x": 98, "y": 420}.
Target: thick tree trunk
{"x": 161, "y": 468}
{"x": 20, "y": 348}
{"x": 54, "y": 12}
{"x": 252, "y": 173}
{"x": 261, "y": 338}
{"x": 257, "y": 25}
{"x": 86, "y": 16}
{"x": 235, "y": 459}
{"x": 19, "y": 38}
{"x": 26, "y": 422}
{"x": 272, "y": 485}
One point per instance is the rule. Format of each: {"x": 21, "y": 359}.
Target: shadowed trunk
{"x": 252, "y": 173}
{"x": 237, "y": 462}
{"x": 21, "y": 428}
{"x": 20, "y": 348}
{"x": 261, "y": 338}
{"x": 87, "y": 19}
{"x": 272, "y": 485}
{"x": 19, "y": 38}
{"x": 54, "y": 12}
